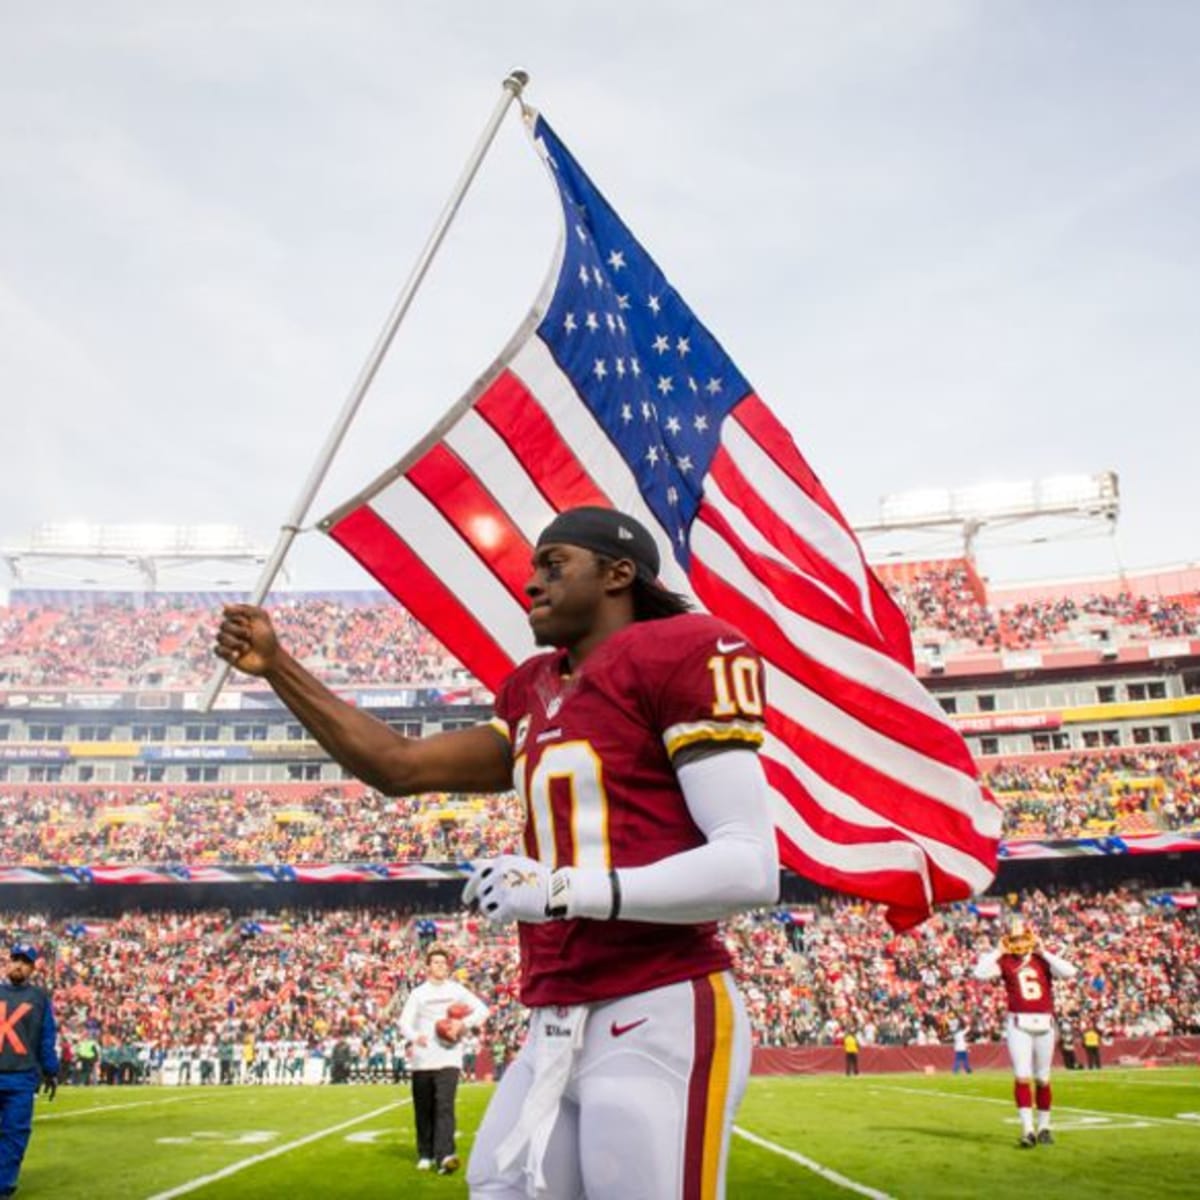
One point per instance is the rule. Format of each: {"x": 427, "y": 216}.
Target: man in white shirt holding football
{"x": 435, "y": 1016}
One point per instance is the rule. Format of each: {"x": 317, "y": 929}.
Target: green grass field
{"x": 1120, "y": 1133}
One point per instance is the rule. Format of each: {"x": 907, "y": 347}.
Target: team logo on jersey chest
{"x": 553, "y": 705}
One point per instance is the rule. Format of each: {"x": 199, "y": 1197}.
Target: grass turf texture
{"x": 1120, "y": 1133}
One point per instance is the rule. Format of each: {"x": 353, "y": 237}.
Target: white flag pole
{"x": 512, "y": 87}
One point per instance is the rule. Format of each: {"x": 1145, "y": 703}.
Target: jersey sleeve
{"x": 704, "y": 685}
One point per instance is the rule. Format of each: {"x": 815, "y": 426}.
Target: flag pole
{"x": 512, "y": 88}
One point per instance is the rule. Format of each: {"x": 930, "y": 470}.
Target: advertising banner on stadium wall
{"x": 1008, "y": 722}
{"x": 97, "y": 701}
{"x": 194, "y": 753}
{"x": 33, "y": 754}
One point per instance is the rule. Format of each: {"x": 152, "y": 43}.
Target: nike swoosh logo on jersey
{"x": 728, "y": 647}
{"x": 621, "y": 1030}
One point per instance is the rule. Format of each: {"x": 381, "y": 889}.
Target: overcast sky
{"x": 948, "y": 242}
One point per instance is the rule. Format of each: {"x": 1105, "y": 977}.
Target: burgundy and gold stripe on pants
{"x": 708, "y": 1089}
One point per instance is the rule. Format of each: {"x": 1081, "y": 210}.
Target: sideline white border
{"x": 1059, "y": 1108}
{"x": 825, "y": 1172}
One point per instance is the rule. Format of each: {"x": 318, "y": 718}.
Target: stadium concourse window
{"x": 1052, "y": 741}
{"x": 202, "y": 731}
{"x": 1154, "y": 690}
{"x": 1106, "y": 693}
{"x": 1191, "y": 683}
{"x": 249, "y": 733}
{"x": 95, "y": 733}
{"x": 45, "y": 774}
{"x": 45, "y": 733}
{"x": 987, "y": 702}
{"x": 202, "y": 774}
{"x": 1143, "y": 735}
{"x": 1095, "y": 738}
{"x": 149, "y": 733}
{"x": 146, "y": 774}
{"x": 299, "y": 772}
{"x": 3, "y": 733}
{"x": 949, "y": 704}
{"x": 989, "y": 745}
{"x": 297, "y": 733}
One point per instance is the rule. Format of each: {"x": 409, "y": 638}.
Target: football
{"x": 449, "y": 1030}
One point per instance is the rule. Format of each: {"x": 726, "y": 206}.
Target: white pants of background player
{"x": 643, "y": 1104}
{"x": 1031, "y": 1048}
{"x": 1032, "y": 1053}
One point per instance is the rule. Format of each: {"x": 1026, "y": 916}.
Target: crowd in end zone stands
{"x": 165, "y": 639}
{"x": 265, "y": 994}
{"x": 1122, "y": 792}
{"x": 944, "y": 599}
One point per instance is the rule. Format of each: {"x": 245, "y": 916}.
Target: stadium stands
{"x": 808, "y": 974}
{"x": 103, "y": 639}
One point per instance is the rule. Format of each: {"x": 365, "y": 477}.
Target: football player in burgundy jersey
{"x": 633, "y": 744}
{"x": 1028, "y": 972}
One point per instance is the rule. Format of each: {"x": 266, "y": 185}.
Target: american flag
{"x": 614, "y": 393}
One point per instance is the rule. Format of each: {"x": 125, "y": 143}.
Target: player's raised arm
{"x": 465, "y": 760}
{"x": 988, "y": 967}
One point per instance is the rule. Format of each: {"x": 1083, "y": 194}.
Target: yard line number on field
{"x": 233, "y": 1168}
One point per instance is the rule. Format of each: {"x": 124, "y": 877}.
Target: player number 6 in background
{"x": 735, "y": 686}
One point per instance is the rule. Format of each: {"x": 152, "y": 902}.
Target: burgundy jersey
{"x": 1028, "y": 986}
{"x": 592, "y": 761}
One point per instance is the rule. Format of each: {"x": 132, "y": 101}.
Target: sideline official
{"x": 28, "y": 1058}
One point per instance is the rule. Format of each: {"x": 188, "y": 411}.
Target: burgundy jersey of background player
{"x": 592, "y": 760}
{"x": 1027, "y": 983}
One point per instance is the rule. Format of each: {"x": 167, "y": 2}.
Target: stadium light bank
{"x": 72, "y": 550}
{"x": 1094, "y": 499}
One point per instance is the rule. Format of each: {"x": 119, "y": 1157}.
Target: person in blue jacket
{"x": 28, "y": 1058}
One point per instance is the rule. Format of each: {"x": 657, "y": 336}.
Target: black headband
{"x": 607, "y": 532}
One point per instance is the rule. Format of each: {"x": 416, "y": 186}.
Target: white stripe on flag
{"x": 852, "y": 659}
{"x": 917, "y": 771}
{"x": 846, "y": 808}
{"x": 750, "y": 534}
{"x": 488, "y": 456}
{"x": 810, "y": 521}
{"x": 535, "y": 366}
{"x": 436, "y": 542}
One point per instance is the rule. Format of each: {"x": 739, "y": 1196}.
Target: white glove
{"x": 509, "y": 888}
{"x": 515, "y": 888}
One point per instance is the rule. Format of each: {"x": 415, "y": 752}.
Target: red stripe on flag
{"x": 390, "y": 559}
{"x": 803, "y": 596}
{"x": 521, "y": 422}
{"x": 782, "y": 535}
{"x": 446, "y": 482}
{"x": 773, "y": 439}
{"x": 892, "y": 718}
{"x": 900, "y": 890}
{"x": 944, "y": 884}
{"x": 888, "y": 798}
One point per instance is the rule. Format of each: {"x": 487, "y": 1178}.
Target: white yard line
{"x": 825, "y": 1172}
{"x": 233, "y": 1168}
{"x": 103, "y": 1108}
{"x": 1088, "y": 1112}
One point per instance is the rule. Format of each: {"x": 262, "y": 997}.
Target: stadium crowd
{"x": 165, "y": 639}
{"x": 1125, "y": 792}
{"x": 943, "y": 599}
{"x": 108, "y": 640}
{"x": 263, "y": 995}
